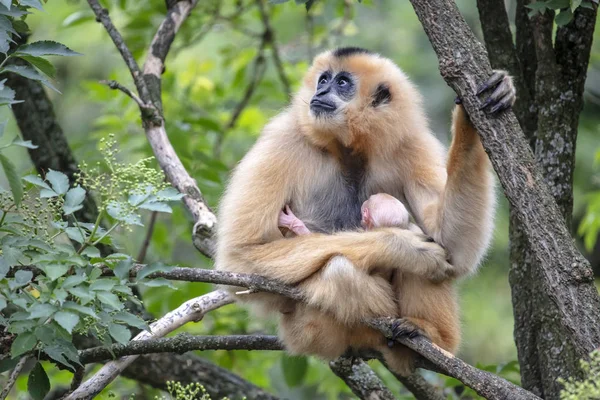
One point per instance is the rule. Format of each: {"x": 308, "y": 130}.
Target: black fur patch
{"x": 342, "y": 52}
{"x": 382, "y": 95}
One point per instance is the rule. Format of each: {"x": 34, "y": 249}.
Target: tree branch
{"x": 13, "y": 377}
{"x": 180, "y": 344}
{"x": 270, "y": 38}
{"x": 360, "y": 378}
{"x": 102, "y": 17}
{"x": 191, "y": 310}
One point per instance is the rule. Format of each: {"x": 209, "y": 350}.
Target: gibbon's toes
{"x": 503, "y": 95}
{"x": 404, "y": 327}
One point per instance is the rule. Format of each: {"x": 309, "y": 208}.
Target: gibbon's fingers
{"x": 404, "y": 327}
{"x": 496, "y": 77}
{"x": 504, "y": 103}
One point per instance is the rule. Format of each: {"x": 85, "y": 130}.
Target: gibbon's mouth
{"x": 321, "y": 107}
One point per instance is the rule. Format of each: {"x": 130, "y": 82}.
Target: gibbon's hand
{"x": 440, "y": 269}
{"x": 504, "y": 93}
{"x": 502, "y": 98}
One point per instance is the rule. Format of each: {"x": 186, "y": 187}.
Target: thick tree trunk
{"x": 557, "y": 309}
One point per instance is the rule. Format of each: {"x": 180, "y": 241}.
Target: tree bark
{"x": 557, "y": 309}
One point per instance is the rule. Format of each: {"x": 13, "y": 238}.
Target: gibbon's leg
{"x": 295, "y": 259}
{"x": 349, "y": 293}
{"x": 309, "y": 331}
{"x": 463, "y": 220}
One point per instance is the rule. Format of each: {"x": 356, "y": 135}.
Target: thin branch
{"x": 191, "y": 310}
{"x": 180, "y": 344}
{"x": 258, "y": 74}
{"x": 486, "y": 384}
{"x": 270, "y": 38}
{"x": 360, "y": 378}
{"x": 419, "y": 387}
{"x": 148, "y": 238}
{"x": 102, "y": 17}
{"x": 13, "y": 377}
{"x": 114, "y": 85}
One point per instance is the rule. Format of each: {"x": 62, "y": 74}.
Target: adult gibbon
{"x": 355, "y": 128}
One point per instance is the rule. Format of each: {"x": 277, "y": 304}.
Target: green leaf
{"x": 130, "y": 319}
{"x": 119, "y": 333}
{"x": 169, "y": 194}
{"x": 67, "y": 320}
{"x": 3, "y": 303}
{"x": 91, "y": 252}
{"x": 158, "y": 282}
{"x": 294, "y": 369}
{"x": 46, "y": 48}
{"x": 40, "y": 63}
{"x": 24, "y": 143}
{"x": 59, "y": 181}
{"x": 564, "y": 17}
{"x": 56, "y": 353}
{"x": 32, "y": 3}
{"x": 23, "y": 277}
{"x": 73, "y": 200}
{"x": 13, "y": 179}
{"x": 37, "y": 181}
{"x": 12, "y": 11}
{"x": 29, "y": 73}
{"x": 278, "y": 1}
{"x": 41, "y": 310}
{"x": 7, "y": 95}
{"x": 75, "y": 234}
{"x": 6, "y": 3}
{"x": 538, "y": 6}
{"x": 47, "y": 193}
{"x": 156, "y": 206}
{"x": 38, "y": 384}
{"x": 22, "y": 344}
{"x": 70, "y": 305}
{"x": 152, "y": 268}
{"x": 575, "y": 4}
{"x": 8, "y": 363}
{"x": 121, "y": 212}
{"x": 82, "y": 293}
{"x": 103, "y": 284}
{"x": 122, "y": 268}
{"x": 4, "y": 267}
{"x": 110, "y": 300}
{"x": 54, "y": 270}
{"x": 78, "y": 17}
{"x": 73, "y": 280}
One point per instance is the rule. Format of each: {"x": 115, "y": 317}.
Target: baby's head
{"x": 383, "y": 210}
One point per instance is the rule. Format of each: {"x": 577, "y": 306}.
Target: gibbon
{"x": 355, "y": 128}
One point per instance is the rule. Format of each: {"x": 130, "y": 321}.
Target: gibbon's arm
{"x": 250, "y": 240}
{"x": 459, "y": 217}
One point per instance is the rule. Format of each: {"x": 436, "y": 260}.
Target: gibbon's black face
{"x": 333, "y": 90}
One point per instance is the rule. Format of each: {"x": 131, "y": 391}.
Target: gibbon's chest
{"x": 332, "y": 197}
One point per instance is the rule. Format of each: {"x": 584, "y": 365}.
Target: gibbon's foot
{"x": 503, "y": 95}
{"x": 404, "y": 327}
{"x": 457, "y": 100}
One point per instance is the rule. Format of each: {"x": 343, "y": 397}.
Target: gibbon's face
{"x": 348, "y": 85}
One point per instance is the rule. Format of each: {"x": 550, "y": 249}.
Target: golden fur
{"x": 299, "y": 156}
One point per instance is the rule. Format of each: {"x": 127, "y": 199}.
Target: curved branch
{"x": 191, "y": 310}
{"x": 180, "y": 344}
{"x": 360, "y": 378}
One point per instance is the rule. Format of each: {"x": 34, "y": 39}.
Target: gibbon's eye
{"x": 323, "y": 80}
{"x": 343, "y": 81}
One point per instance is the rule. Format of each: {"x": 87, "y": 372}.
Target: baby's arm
{"x": 288, "y": 220}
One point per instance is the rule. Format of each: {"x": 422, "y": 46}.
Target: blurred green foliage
{"x": 207, "y": 73}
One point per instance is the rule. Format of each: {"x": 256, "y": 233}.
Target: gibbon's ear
{"x": 382, "y": 95}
